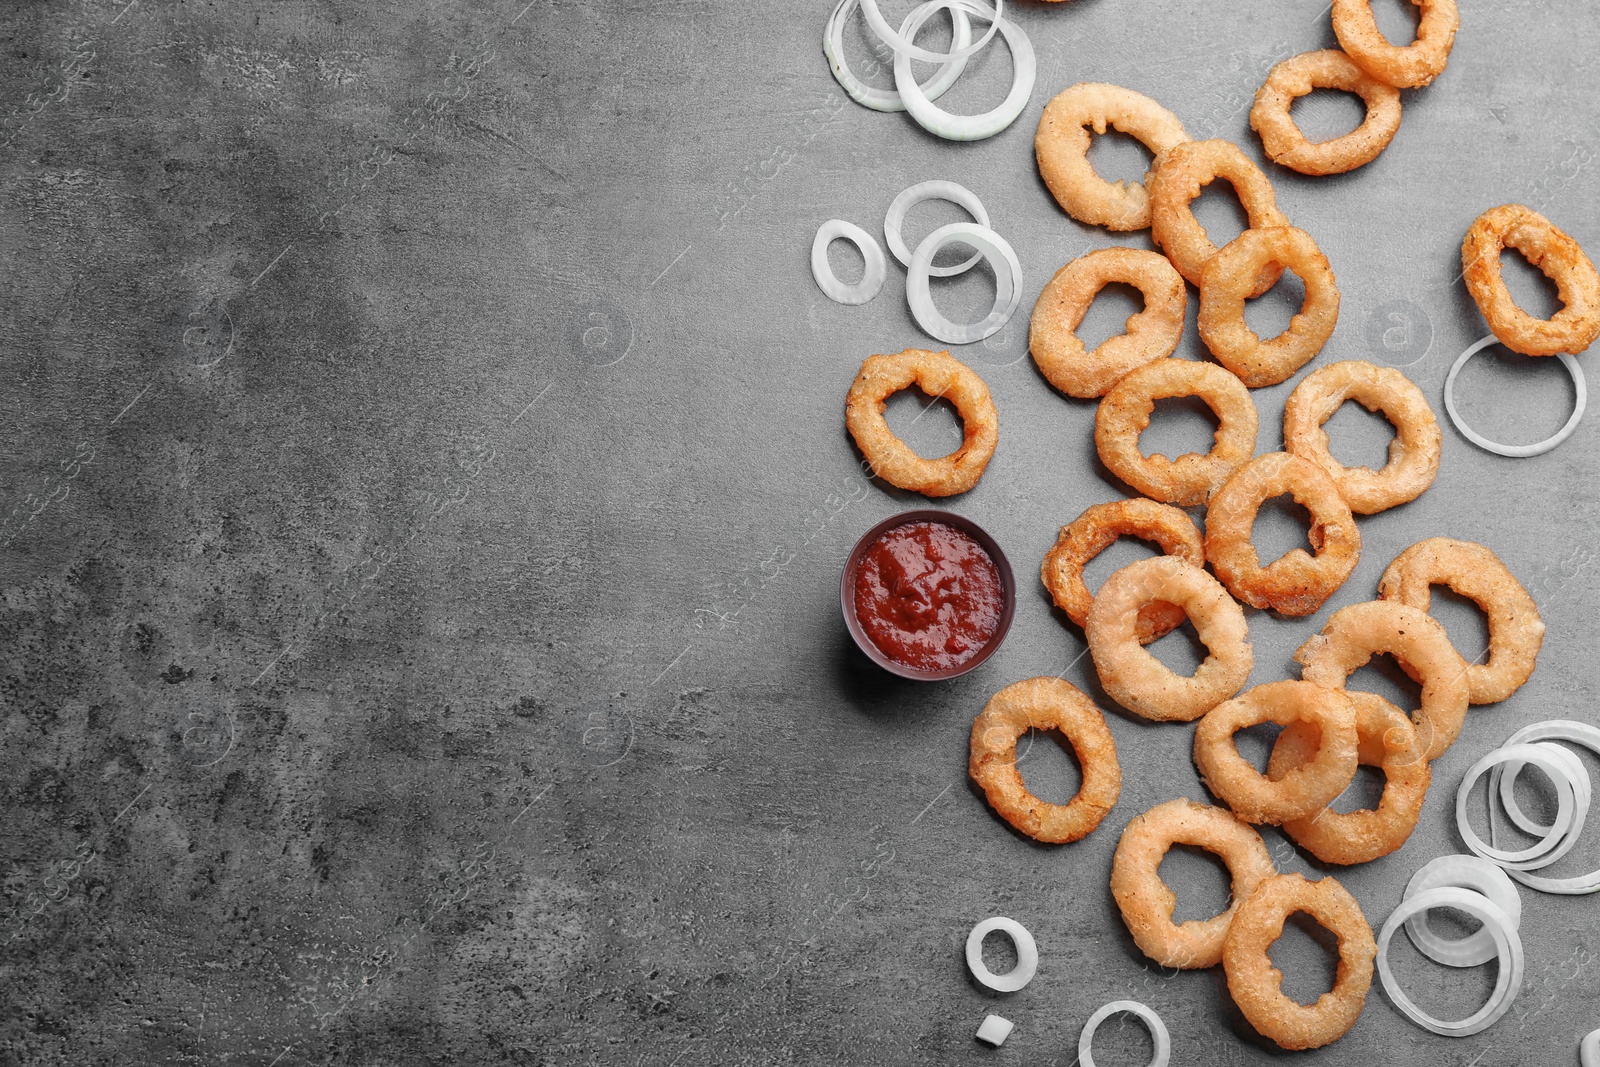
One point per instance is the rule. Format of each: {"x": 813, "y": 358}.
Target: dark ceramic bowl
{"x": 847, "y": 593}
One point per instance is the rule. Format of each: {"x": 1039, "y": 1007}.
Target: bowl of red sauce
{"x": 928, "y": 595}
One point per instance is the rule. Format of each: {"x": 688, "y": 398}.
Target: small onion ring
{"x": 871, "y": 279}
{"x": 1092, "y": 532}
{"x": 1147, "y": 903}
{"x": 1462, "y": 872}
{"x": 938, "y": 374}
{"x": 1404, "y": 67}
{"x": 1386, "y": 740}
{"x": 954, "y": 192}
{"x": 1158, "y": 1032}
{"x": 889, "y": 99}
{"x": 1508, "y": 947}
{"x": 1027, "y": 954}
{"x": 1515, "y": 630}
{"x": 1286, "y": 144}
{"x": 1543, "y": 244}
{"x": 1150, "y": 334}
{"x": 1225, "y": 284}
{"x": 1298, "y": 791}
{"x": 1176, "y": 178}
{"x": 1357, "y": 632}
{"x": 941, "y": 123}
{"x": 1257, "y": 986}
{"x": 1138, "y": 681}
{"x": 1571, "y": 779}
{"x": 904, "y": 45}
{"x": 1577, "y": 733}
{"x": 1061, "y": 148}
{"x": 1296, "y": 583}
{"x": 1007, "y": 276}
{"x": 1513, "y": 451}
{"x": 1190, "y": 479}
{"x": 1413, "y": 453}
{"x": 1045, "y": 704}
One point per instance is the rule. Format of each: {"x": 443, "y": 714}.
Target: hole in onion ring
{"x": 1179, "y": 426}
{"x": 982, "y": 85}
{"x": 999, "y": 952}
{"x": 1282, "y": 525}
{"x": 1384, "y": 676}
{"x": 1307, "y": 954}
{"x": 1529, "y": 286}
{"x": 968, "y": 296}
{"x": 1358, "y": 437}
{"x": 1218, "y": 211}
{"x": 1123, "y": 1041}
{"x": 1052, "y": 772}
{"x": 1119, "y": 157}
{"x": 1544, "y": 390}
{"x": 1255, "y": 743}
{"x": 1443, "y": 992}
{"x": 1199, "y": 879}
{"x": 1327, "y": 114}
{"x": 1121, "y": 552}
{"x": 930, "y": 425}
{"x": 1181, "y": 651}
{"x": 1270, "y": 313}
{"x": 1536, "y": 796}
{"x": 1108, "y": 316}
{"x": 846, "y": 261}
{"x": 1464, "y": 622}
{"x": 1398, "y": 21}
{"x": 1364, "y": 792}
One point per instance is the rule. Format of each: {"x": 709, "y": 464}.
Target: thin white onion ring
{"x": 1578, "y": 733}
{"x": 889, "y": 99}
{"x": 871, "y": 279}
{"x": 941, "y": 123}
{"x": 1152, "y": 1022}
{"x": 954, "y": 192}
{"x": 1007, "y": 275}
{"x": 1462, "y": 872}
{"x": 1571, "y": 780}
{"x": 904, "y": 44}
{"x": 1508, "y": 948}
{"x": 1027, "y": 954}
{"x": 1514, "y": 451}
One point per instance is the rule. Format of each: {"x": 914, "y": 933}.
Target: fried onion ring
{"x": 1357, "y": 632}
{"x": 1094, "y": 531}
{"x": 1190, "y": 479}
{"x": 1387, "y": 740}
{"x": 1286, "y": 144}
{"x": 1137, "y": 680}
{"x": 1176, "y": 178}
{"x": 1045, "y": 704}
{"x": 1149, "y": 335}
{"x": 1413, "y": 453}
{"x": 1515, "y": 629}
{"x": 1296, "y": 583}
{"x": 1062, "y": 145}
{"x": 1225, "y": 284}
{"x": 1257, "y": 986}
{"x": 1570, "y": 330}
{"x": 1147, "y": 903}
{"x": 1404, "y": 67}
{"x": 1298, "y": 792}
{"x": 938, "y": 374}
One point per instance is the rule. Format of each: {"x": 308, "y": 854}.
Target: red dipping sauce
{"x": 928, "y": 596}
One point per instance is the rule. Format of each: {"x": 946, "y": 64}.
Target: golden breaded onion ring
{"x": 1286, "y": 144}
{"x": 1227, "y": 281}
{"x": 1176, "y": 178}
{"x": 1413, "y": 453}
{"x": 1190, "y": 479}
{"x": 1147, "y": 903}
{"x": 1092, "y": 532}
{"x": 1137, "y": 680}
{"x": 1257, "y": 986}
{"x": 1045, "y": 704}
{"x": 1150, "y": 334}
{"x": 1357, "y": 632}
{"x": 1515, "y": 630}
{"x": 1402, "y": 66}
{"x": 1301, "y": 790}
{"x": 1570, "y": 330}
{"x": 1062, "y": 146}
{"x": 938, "y": 374}
{"x": 1297, "y": 583}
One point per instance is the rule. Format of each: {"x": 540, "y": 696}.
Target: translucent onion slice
{"x": 1514, "y": 451}
{"x": 1152, "y": 1022}
{"x": 1578, "y": 733}
{"x": 1027, "y": 954}
{"x": 934, "y": 190}
{"x": 871, "y": 280}
{"x": 941, "y": 123}
{"x": 904, "y": 43}
{"x": 1007, "y": 274}
{"x": 1571, "y": 780}
{"x": 1462, "y": 872}
{"x": 889, "y": 99}
{"x": 1508, "y": 948}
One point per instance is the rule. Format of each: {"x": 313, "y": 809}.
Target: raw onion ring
{"x": 938, "y": 374}
{"x": 1571, "y": 779}
{"x": 1027, "y": 954}
{"x": 1158, "y": 1032}
{"x": 1543, "y": 244}
{"x": 1462, "y": 872}
{"x": 934, "y": 190}
{"x": 871, "y": 278}
{"x": 1508, "y": 947}
{"x": 1286, "y": 144}
{"x": 1178, "y": 175}
{"x": 904, "y": 45}
{"x": 1007, "y": 277}
{"x": 1404, "y": 67}
{"x": 1061, "y": 148}
{"x": 941, "y": 123}
{"x": 889, "y": 99}
{"x": 1226, "y": 281}
{"x": 1577, "y": 733}
{"x": 1513, "y": 451}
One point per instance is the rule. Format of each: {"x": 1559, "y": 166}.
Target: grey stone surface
{"x": 424, "y": 489}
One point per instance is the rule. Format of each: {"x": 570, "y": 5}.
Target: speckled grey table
{"x": 424, "y": 488}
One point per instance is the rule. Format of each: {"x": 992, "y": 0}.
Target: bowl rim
{"x": 852, "y": 564}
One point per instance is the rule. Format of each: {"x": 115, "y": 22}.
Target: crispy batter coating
{"x": 1570, "y": 330}
{"x": 1402, "y": 66}
{"x": 1225, "y": 284}
{"x": 1062, "y": 145}
{"x": 1283, "y": 140}
{"x": 938, "y": 374}
{"x": 1176, "y": 178}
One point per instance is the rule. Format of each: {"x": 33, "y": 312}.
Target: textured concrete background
{"x": 424, "y": 487}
